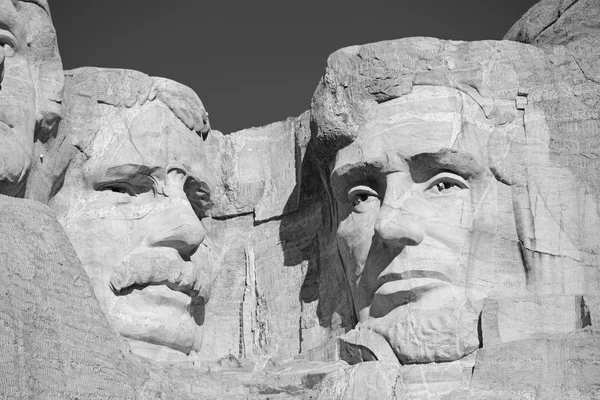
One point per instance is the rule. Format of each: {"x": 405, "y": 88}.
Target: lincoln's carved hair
{"x": 358, "y": 78}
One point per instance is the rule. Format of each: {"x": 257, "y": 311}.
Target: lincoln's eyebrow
{"x": 347, "y": 175}
{"x": 425, "y": 165}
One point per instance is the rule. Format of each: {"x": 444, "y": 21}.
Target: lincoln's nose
{"x": 397, "y": 227}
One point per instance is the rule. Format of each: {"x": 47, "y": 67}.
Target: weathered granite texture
{"x": 563, "y": 26}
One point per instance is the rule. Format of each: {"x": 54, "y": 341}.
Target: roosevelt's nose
{"x": 178, "y": 227}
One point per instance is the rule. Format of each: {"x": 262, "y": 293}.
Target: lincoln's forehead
{"x": 425, "y": 103}
{"x": 427, "y": 120}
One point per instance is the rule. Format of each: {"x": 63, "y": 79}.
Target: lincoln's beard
{"x": 419, "y": 335}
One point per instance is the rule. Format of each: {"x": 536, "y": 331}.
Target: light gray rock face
{"x": 563, "y": 25}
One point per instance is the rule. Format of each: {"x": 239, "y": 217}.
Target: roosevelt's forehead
{"x": 427, "y": 120}
{"x": 149, "y": 135}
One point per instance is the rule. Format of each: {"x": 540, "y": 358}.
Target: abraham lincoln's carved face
{"x": 417, "y": 220}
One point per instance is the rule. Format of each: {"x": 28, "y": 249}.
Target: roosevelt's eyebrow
{"x": 127, "y": 170}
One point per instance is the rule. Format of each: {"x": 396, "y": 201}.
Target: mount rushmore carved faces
{"x": 31, "y": 80}
{"x": 406, "y": 133}
{"x": 132, "y": 203}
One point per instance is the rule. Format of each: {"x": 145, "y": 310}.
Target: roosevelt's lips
{"x": 412, "y": 278}
{"x": 157, "y": 266}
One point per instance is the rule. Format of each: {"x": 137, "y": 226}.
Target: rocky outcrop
{"x": 560, "y": 26}
{"x": 274, "y": 295}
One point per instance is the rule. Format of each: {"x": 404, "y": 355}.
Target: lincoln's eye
{"x": 359, "y": 196}
{"x": 446, "y": 183}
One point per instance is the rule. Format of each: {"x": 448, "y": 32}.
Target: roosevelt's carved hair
{"x": 87, "y": 88}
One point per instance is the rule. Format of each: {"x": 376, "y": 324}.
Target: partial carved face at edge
{"x": 23, "y": 100}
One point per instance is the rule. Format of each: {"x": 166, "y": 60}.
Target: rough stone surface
{"x": 570, "y": 26}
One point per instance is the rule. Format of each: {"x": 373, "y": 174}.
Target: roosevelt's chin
{"x": 159, "y": 323}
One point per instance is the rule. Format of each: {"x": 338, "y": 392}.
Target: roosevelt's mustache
{"x": 159, "y": 266}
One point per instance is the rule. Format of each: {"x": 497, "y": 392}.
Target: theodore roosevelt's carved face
{"x": 135, "y": 203}
{"x": 416, "y": 221}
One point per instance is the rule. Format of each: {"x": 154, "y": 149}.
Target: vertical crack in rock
{"x": 247, "y": 311}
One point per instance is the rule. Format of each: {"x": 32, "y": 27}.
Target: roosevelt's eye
{"x": 359, "y": 196}
{"x": 117, "y": 187}
{"x": 134, "y": 186}
{"x": 445, "y": 183}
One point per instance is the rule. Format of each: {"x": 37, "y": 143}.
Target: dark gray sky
{"x": 254, "y": 62}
